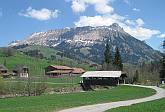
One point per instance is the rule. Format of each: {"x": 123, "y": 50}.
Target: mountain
{"x": 89, "y": 43}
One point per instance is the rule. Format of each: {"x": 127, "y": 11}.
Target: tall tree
{"x": 107, "y": 54}
{"x": 107, "y": 65}
{"x": 117, "y": 60}
{"x": 162, "y": 70}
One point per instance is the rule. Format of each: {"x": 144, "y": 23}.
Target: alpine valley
{"x": 89, "y": 43}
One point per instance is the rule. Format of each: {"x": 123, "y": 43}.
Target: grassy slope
{"x": 47, "y": 52}
{"x": 36, "y": 65}
{"x": 152, "y": 106}
{"x": 49, "y": 103}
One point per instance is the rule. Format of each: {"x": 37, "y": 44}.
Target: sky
{"x": 143, "y": 19}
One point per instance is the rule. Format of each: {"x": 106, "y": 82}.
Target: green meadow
{"x": 152, "y": 106}
{"x": 55, "y": 102}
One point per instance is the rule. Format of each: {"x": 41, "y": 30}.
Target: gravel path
{"x": 106, "y": 106}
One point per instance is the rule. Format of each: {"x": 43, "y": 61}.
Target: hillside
{"x": 51, "y": 54}
{"x": 89, "y": 43}
{"x": 36, "y": 65}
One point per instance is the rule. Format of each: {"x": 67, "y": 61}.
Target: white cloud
{"x": 162, "y": 35}
{"x": 130, "y": 22}
{"x": 93, "y": 21}
{"x": 140, "y": 22}
{"x": 137, "y": 22}
{"x": 135, "y": 9}
{"x": 78, "y": 6}
{"x": 141, "y": 33}
{"x": 42, "y": 14}
{"x": 98, "y": 20}
{"x": 133, "y": 27}
{"x": 101, "y": 6}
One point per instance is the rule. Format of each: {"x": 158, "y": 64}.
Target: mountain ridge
{"x": 89, "y": 42}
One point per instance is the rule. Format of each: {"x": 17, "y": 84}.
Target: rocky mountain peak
{"x": 115, "y": 26}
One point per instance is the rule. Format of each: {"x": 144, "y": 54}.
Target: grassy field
{"x": 61, "y": 82}
{"x": 63, "y": 79}
{"x": 48, "y": 103}
{"x": 152, "y": 106}
{"x": 51, "y": 82}
{"x": 66, "y": 79}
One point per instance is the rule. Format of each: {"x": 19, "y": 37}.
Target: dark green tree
{"x": 162, "y": 70}
{"x": 107, "y": 65}
{"x": 117, "y": 60}
{"x": 107, "y": 54}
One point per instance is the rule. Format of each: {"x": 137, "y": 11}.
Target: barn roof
{"x": 60, "y": 71}
{"x": 102, "y": 74}
{"x": 61, "y": 67}
{"x": 78, "y": 71}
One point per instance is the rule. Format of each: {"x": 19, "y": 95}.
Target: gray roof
{"x": 2, "y": 67}
{"x": 114, "y": 74}
{"x": 19, "y": 67}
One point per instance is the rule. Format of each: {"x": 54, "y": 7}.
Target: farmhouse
{"x": 110, "y": 78}
{"x": 3, "y": 71}
{"x": 54, "y": 71}
{"x": 21, "y": 71}
{"x": 94, "y": 65}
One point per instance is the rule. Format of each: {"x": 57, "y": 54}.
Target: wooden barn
{"x": 54, "y": 71}
{"x": 111, "y": 78}
{"x": 21, "y": 71}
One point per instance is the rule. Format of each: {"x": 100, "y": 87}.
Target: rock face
{"x": 89, "y": 42}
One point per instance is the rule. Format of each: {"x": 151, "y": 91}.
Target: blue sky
{"x": 144, "y": 19}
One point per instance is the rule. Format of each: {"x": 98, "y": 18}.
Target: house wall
{"x": 101, "y": 81}
{"x": 25, "y": 75}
